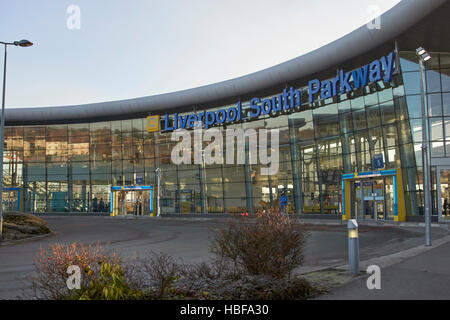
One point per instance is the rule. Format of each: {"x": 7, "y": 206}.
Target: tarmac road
{"x": 190, "y": 240}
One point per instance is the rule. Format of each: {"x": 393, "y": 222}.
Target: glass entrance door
{"x": 368, "y": 200}
{"x": 356, "y": 196}
{"x": 443, "y": 194}
{"x": 373, "y": 199}
{"x": 119, "y": 203}
{"x": 373, "y": 196}
{"x": 10, "y": 201}
{"x": 378, "y": 188}
{"x": 128, "y": 203}
{"x": 389, "y": 205}
{"x": 132, "y": 202}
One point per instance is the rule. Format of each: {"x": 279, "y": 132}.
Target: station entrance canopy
{"x": 373, "y": 195}
{"x": 135, "y": 200}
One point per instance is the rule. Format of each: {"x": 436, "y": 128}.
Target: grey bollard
{"x": 353, "y": 246}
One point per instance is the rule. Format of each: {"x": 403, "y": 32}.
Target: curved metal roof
{"x": 393, "y": 23}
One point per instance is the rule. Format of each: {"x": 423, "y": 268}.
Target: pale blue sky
{"x": 132, "y": 48}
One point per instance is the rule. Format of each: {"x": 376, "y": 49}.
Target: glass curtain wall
{"x": 71, "y": 167}
{"x": 437, "y": 86}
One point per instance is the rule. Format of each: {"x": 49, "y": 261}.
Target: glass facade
{"x": 72, "y": 167}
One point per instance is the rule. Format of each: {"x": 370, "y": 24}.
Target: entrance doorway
{"x": 11, "y": 200}
{"x": 373, "y": 195}
{"x": 443, "y": 193}
{"x": 373, "y": 199}
{"x": 132, "y": 200}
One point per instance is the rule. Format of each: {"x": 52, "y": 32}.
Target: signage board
{"x": 289, "y": 100}
{"x": 378, "y": 161}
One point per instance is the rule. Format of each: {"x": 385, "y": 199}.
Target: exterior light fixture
{"x": 420, "y": 51}
{"x": 21, "y": 43}
{"x": 423, "y": 56}
{"x": 426, "y": 57}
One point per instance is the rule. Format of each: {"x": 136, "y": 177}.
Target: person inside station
{"x": 283, "y": 202}
{"x": 101, "y": 206}
{"x": 138, "y": 205}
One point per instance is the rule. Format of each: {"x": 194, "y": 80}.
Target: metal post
{"x": 204, "y": 187}
{"x": 158, "y": 207}
{"x": 22, "y": 43}
{"x": 248, "y": 179}
{"x": 2, "y": 142}
{"x": 295, "y": 164}
{"x": 353, "y": 246}
{"x": 425, "y": 163}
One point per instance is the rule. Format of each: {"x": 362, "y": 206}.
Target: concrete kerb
{"x": 330, "y": 222}
{"x": 224, "y": 217}
{"x": 28, "y": 239}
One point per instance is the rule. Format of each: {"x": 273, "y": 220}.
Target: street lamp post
{"x": 158, "y": 207}
{"x": 423, "y": 57}
{"x": 204, "y": 186}
{"x": 21, "y": 43}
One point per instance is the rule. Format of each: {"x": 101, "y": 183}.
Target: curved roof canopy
{"x": 412, "y": 23}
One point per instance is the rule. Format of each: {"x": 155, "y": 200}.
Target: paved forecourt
{"x": 189, "y": 239}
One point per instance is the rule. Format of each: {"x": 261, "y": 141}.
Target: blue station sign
{"x": 289, "y": 99}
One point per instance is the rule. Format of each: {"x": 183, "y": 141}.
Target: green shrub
{"x": 110, "y": 284}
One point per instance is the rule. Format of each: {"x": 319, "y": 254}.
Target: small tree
{"x": 272, "y": 245}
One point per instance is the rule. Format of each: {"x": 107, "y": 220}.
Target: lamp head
{"x": 23, "y": 43}
{"x": 422, "y": 54}
{"x": 420, "y": 51}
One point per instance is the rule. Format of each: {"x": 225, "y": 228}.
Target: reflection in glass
{"x": 414, "y": 106}
{"x": 436, "y": 129}
{"x": 411, "y": 82}
{"x": 433, "y": 81}
{"x": 434, "y": 105}
{"x": 446, "y": 103}
{"x": 71, "y": 167}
